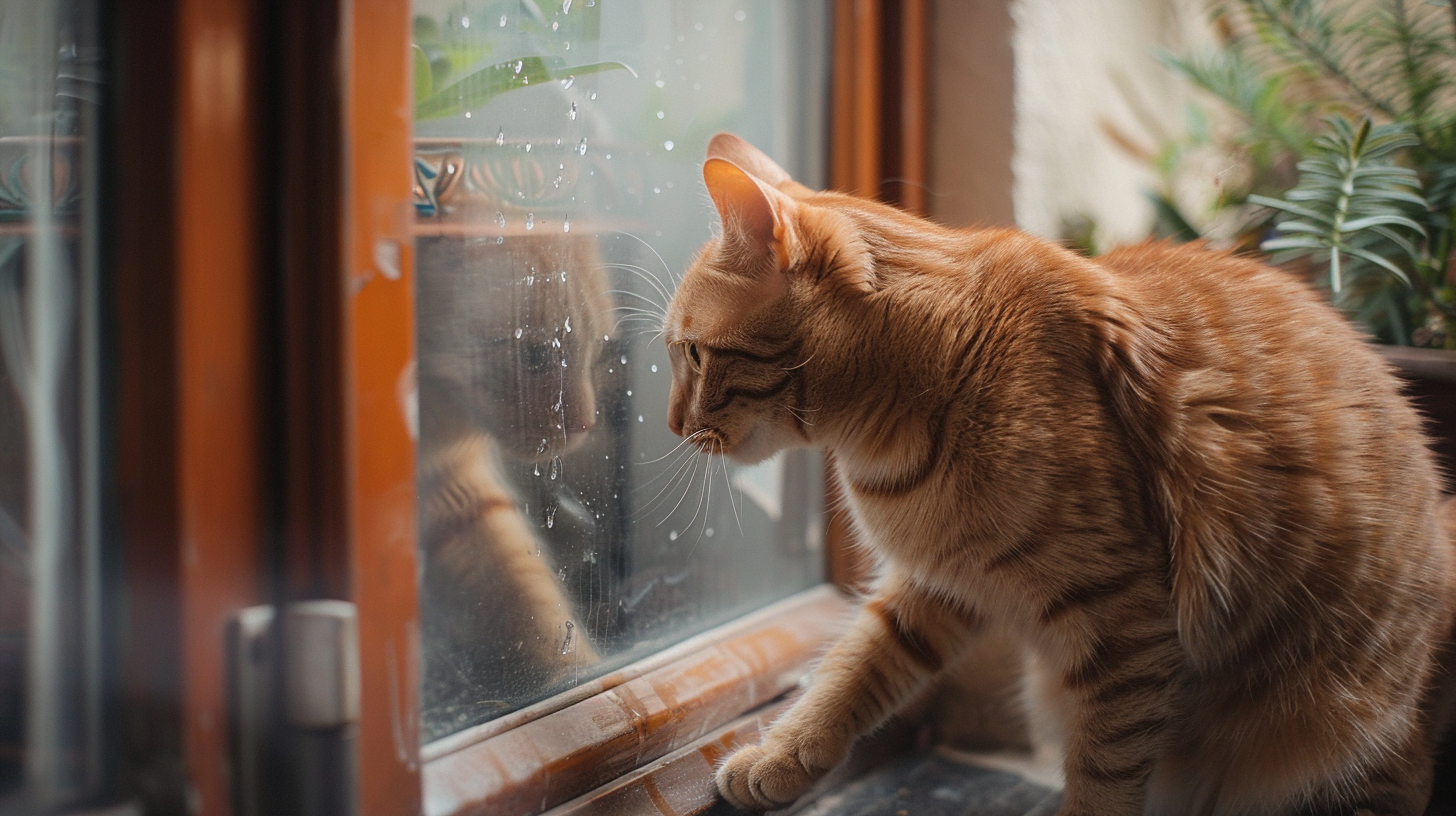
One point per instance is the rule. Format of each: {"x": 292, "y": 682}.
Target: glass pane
{"x": 564, "y": 531}
{"x": 50, "y": 717}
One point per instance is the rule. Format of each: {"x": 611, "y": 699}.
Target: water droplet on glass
{"x": 555, "y": 466}
{"x": 566, "y": 641}
{"x": 656, "y": 189}
{"x": 538, "y": 468}
{"x": 541, "y": 448}
{"x": 581, "y": 148}
{"x": 629, "y": 392}
{"x": 672, "y": 536}
{"x": 639, "y": 418}
{"x": 528, "y": 147}
{"x": 568, "y": 324}
{"x": 697, "y": 26}
{"x": 624, "y": 359}
{"x": 516, "y": 69}
{"x": 659, "y": 83}
{"x": 589, "y": 557}
{"x": 563, "y": 365}
{"x": 654, "y": 368}
{"x": 566, "y": 227}
{"x": 500, "y": 138}
{"x": 467, "y": 114}
{"x": 593, "y": 95}
{"x": 668, "y": 144}
{"x": 565, "y": 6}
{"x": 530, "y": 221}
{"x": 708, "y": 532}
{"x": 465, "y": 22}
{"x": 500, "y": 220}
{"x": 568, "y": 82}
{"x": 518, "y": 334}
{"x": 565, "y": 46}
{"x": 551, "y": 518}
{"x": 530, "y": 279}
{"x": 556, "y": 342}
{"x": 500, "y": 239}
{"x": 572, "y": 113}
{"x": 555, "y": 26}
{"x": 503, "y": 21}
{"x": 661, "y": 114}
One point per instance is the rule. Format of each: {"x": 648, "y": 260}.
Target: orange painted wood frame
{"x": 378, "y": 326}
{"x": 219, "y": 400}
{"x": 880, "y": 100}
{"x": 188, "y": 394}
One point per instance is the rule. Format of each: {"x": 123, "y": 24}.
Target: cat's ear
{"x": 755, "y": 216}
{"x": 731, "y": 148}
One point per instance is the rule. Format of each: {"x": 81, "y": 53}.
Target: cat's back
{"x": 1293, "y": 468}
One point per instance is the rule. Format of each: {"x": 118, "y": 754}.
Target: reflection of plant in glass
{"x": 1373, "y": 204}
{"x": 448, "y": 77}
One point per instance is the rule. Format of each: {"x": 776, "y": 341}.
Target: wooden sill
{"x": 546, "y": 755}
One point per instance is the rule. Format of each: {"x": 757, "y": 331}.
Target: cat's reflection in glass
{"x": 510, "y": 332}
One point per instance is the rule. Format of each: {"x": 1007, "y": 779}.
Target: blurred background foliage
{"x": 1324, "y": 134}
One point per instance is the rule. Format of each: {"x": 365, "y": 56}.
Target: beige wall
{"x": 1024, "y": 94}
{"x": 971, "y": 93}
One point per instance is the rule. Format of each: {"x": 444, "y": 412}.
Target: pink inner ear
{"x": 744, "y": 206}
{"x": 752, "y": 160}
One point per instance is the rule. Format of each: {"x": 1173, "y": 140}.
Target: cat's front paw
{"x": 764, "y": 778}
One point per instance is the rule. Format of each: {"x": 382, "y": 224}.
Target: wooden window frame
{"x": 264, "y": 318}
{"x": 653, "y": 731}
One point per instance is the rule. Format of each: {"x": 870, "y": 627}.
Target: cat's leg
{"x": 900, "y": 640}
{"x": 1124, "y": 684}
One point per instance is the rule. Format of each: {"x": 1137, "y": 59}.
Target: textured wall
{"x": 1083, "y": 69}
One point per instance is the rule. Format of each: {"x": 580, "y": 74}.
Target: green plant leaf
{"x": 478, "y": 88}
{"x": 1292, "y": 209}
{"x": 1383, "y": 263}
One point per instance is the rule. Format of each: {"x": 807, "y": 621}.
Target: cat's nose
{"x": 674, "y": 422}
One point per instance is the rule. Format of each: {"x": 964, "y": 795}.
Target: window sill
{"x": 579, "y": 741}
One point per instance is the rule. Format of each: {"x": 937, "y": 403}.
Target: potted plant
{"x": 1347, "y": 142}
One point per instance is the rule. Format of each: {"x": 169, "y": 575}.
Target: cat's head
{"x": 739, "y": 329}
{"x": 509, "y": 337}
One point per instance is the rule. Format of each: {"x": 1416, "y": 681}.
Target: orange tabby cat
{"x": 1183, "y": 482}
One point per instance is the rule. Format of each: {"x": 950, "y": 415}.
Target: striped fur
{"x": 1185, "y": 484}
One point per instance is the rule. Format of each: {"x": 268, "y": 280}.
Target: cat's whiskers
{"x": 728, "y": 479}
{"x": 657, "y": 307}
{"x": 705, "y": 498}
{"x": 670, "y": 513}
{"x": 655, "y": 253}
{"x": 800, "y": 364}
{"x": 675, "y": 448}
{"x": 687, "y": 465}
{"x": 684, "y": 467}
{"x": 642, "y": 273}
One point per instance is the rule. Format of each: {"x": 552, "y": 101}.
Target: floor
{"x": 938, "y": 784}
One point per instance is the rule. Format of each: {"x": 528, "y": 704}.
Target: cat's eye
{"x": 693, "y": 355}
{"x": 537, "y": 357}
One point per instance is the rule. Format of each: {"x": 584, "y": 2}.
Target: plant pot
{"x": 1430, "y": 376}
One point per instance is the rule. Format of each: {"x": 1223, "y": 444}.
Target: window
{"x": 564, "y": 532}
{"x": 302, "y": 364}
{"x": 51, "y": 561}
